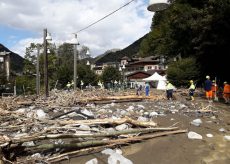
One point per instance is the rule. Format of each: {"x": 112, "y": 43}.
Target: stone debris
{"x": 96, "y": 118}
{"x": 194, "y": 135}
{"x": 92, "y": 161}
{"x": 196, "y": 122}
{"x": 227, "y": 138}
{"x": 209, "y": 135}
{"x": 115, "y": 157}
{"x": 222, "y": 130}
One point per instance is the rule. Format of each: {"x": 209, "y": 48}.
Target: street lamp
{"x": 157, "y": 5}
{"x": 88, "y": 63}
{"x": 75, "y": 42}
{"x": 122, "y": 69}
{"x": 87, "y": 55}
{"x": 47, "y": 37}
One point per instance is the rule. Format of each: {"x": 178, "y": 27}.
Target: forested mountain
{"x": 16, "y": 61}
{"x": 193, "y": 28}
{"x": 129, "y": 51}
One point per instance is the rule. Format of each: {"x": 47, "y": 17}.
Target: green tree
{"x": 26, "y": 84}
{"x": 110, "y": 74}
{"x": 86, "y": 75}
{"x": 30, "y": 59}
{"x": 64, "y": 75}
{"x": 181, "y": 71}
{"x": 193, "y": 28}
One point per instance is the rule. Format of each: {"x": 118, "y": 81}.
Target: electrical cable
{"x": 105, "y": 16}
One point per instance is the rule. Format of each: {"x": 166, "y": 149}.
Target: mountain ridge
{"x": 129, "y": 51}
{"x": 16, "y": 61}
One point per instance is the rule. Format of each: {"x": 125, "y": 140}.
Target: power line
{"x": 105, "y": 16}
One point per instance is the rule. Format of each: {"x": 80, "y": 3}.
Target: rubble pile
{"x": 36, "y": 130}
{"x": 69, "y": 124}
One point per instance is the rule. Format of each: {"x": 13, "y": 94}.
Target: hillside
{"x": 17, "y": 62}
{"x": 129, "y": 51}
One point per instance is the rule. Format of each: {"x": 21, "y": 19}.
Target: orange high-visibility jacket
{"x": 226, "y": 88}
{"x": 214, "y": 87}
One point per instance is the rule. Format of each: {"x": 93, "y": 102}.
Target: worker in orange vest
{"x": 226, "y": 92}
{"x": 208, "y": 88}
{"x": 214, "y": 89}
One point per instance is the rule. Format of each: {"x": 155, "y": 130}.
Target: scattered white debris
{"x": 209, "y": 135}
{"x": 21, "y": 110}
{"x": 114, "y": 118}
{"x": 106, "y": 106}
{"x": 141, "y": 111}
{"x": 112, "y": 104}
{"x": 20, "y": 135}
{"x": 182, "y": 106}
{"x": 90, "y": 105}
{"x": 142, "y": 118}
{"x": 130, "y": 108}
{"x": 41, "y": 114}
{"x": 146, "y": 114}
{"x": 140, "y": 106}
{"x": 123, "y": 112}
{"x": 84, "y": 127}
{"x": 227, "y": 137}
{"x": 92, "y": 161}
{"x": 121, "y": 127}
{"x": 118, "y": 151}
{"x": 222, "y": 130}
{"x": 152, "y": 114}
{"x": 115, "y": 158}
{"x": 31, "y": 143}
{"x": 36, "y": 155}
{"x": 87, "y": 112}
{"x": 213, "y": 117}
{"x": 110, "y": 129}
{"x": 32, "y": 107}
{"x": 194, "y": 135}
{"x": 174, "y": 111}
{"x": 172, "y": 119}
{"x": 196, "y": 122}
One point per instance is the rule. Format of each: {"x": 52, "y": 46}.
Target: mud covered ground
{"x": 177, "y": 149}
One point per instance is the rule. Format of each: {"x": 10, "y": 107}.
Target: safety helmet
{"x": 225, "y": 82}
{"x": 207, "y": 77}
{"x": 191, "y": 81}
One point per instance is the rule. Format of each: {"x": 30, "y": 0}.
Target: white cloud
{"x": 62, "y": 18}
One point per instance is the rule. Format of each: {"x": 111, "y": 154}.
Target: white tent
{"x": 161, "y": 85}
{"x": 154, "y": 77}
{"x": 161, "y": 80}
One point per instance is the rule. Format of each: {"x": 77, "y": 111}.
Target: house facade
{"x": 137, "y": 69}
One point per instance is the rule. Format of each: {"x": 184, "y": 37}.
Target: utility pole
{"x": 74, "y": 42}
{"x": 38, "y": 72}
{"x": 75, "y": 66}
{"x": 45, "y": 65}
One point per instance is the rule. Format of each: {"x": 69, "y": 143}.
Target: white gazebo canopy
{"x": 161, "y": 85}
{"x": 154, "y": 77}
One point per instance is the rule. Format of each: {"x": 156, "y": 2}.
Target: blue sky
{"x": 10, "y": 35}
{"x": 23, "y": 21}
